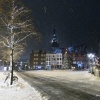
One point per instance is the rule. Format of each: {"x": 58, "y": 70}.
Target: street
{"x": 63, "y": 85}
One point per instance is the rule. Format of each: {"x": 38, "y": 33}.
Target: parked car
{"x": 74, "y": 67}
{"x": 38, "y": 67}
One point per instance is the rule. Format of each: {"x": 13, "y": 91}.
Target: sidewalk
{"x": 18, "y": 91}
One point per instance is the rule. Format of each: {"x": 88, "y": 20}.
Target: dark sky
{"x": 76, "y": 22}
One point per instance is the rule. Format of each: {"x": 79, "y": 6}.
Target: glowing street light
{"x": 91, "y": 62}
{"x": 91, "y": 55}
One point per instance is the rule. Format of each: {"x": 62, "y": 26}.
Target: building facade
{"x": 37, "y": 59}
{"x": 53, "y": 61}
{"x": 75, "y": 57}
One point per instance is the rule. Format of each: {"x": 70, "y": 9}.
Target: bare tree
{"x": 17, "y": 27}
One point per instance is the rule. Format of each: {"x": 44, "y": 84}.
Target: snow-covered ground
{"x": 23, "y": 91}
{"x": 77, "y": 80}
{"x": 18, "y": 91}
{"x": 78, "y": 76}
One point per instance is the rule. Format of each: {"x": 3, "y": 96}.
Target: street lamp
{"x": 91, "y": 55}
{"x": 90, "y": 61}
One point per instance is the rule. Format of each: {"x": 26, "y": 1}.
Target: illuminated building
{"x": 37, "y": 59}
{"x": 76, "y": 56}
{"x": 53, "y": 61}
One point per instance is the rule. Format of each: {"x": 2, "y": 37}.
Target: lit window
{"x": 41, "y": 62}
{"x": 33, "y": 58}
{"x": 35, "y": 54}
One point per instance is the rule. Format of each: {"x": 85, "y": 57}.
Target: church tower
{"x": 54, "y": 42}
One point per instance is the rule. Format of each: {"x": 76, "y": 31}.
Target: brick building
{"x": 37, "y": 59}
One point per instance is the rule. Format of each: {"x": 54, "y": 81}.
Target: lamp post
{"x": 90, "y": 61}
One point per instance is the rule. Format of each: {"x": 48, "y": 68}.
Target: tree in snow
{"x": 15, "y": 27}
{"x": 65, "y": 60}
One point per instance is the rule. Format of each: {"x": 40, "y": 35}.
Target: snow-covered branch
{"x": 2, "y": 43}
{"x": 16, "y": 10}
{"x": 20, "y": 26}
{"x": 3, "y": 22}
{"x": 20, "y": 40}
{"x": 23, "y": 23}
{"x": 7, "y": 40}
{"x": 3, "y": 17}
{"x": 19, "y": 13}
{"x": 18, "y": 33}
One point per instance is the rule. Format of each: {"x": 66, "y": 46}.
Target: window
{"x": 41, "y": 54}
{"x": 54, "y": 59}
{"x": 41, "y": 62}
{"x": 35, "y": 54}
{"x": 46, "y": 63}
{"x": 35, "y": 58}
{"x": 36, "y": 62}
{"x": 57, "y": 58}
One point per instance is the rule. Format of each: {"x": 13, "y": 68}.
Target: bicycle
{"x": 15, "y": 78}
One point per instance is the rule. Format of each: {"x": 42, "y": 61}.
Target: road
{"x": 53, "y": 87}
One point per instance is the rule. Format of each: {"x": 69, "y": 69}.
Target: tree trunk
{"x": 11, "y": 65}
{"x": 11, "y": 59}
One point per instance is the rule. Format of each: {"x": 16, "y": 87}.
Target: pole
{"x": 12, "y": 68}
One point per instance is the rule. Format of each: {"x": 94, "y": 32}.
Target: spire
{"x": 54, "y": 35}
{"x": 54, "y": 41}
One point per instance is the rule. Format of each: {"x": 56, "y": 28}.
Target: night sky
{"x": 76, "y": 22}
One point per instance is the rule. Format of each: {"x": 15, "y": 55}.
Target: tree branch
{"x": 23, "y": 38}
{"x": 7, "y": 40}
{"x": 3, "y": 16}
{"x": 17, "y": 33}
{"x": 4, "y": 22}
{"x": 4, "y": 44}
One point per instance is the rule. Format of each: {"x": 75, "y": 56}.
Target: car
{"x": 38, "y": 67}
